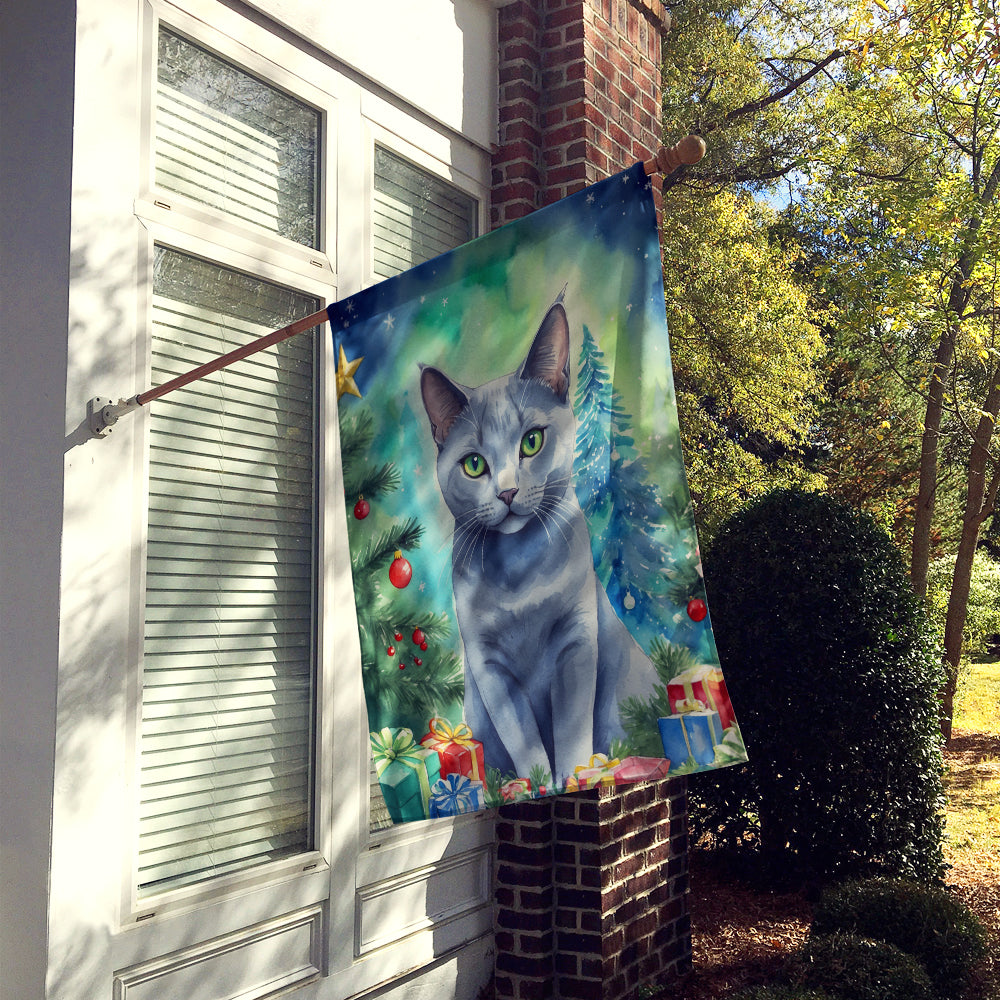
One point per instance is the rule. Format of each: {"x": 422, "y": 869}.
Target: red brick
{"x": 567, "y": 963}
{"x": 536, "y": 944}
{"x": 537, "y": 966}
{"x": 518, "y": 50}
{"x": 535, "y": 990}
{"x": 581, "y": 989}
{"x": 567, "y": 133}
{"x": 569, "y": 15}
{"x": 577, "y": 941}
{"x": 524, "y": 920}
{"x": 513, "y": 875}
{"x": 521, "y": 90}
{"x": 563, "y": 54}
{"x": 518, "y": 111}
{"x": 552, "y": 117}
{"x": 552, "y": 78}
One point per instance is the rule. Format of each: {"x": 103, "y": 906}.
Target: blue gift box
{"x": 456, "y": 794}
{"x": 689, "y": 735}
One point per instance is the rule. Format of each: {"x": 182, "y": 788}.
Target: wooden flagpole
{"x": 102, "y": 414}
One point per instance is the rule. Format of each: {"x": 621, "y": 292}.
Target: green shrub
{"x": 780, "y": 992}
{"x": 857, "y": 968}
{"x": 982, "y": 619}
{"x": 833, "y": 671}
{"x": 925, "y": 922}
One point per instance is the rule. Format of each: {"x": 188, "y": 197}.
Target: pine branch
{"x": 370, "y": 482}
{"x": 380, "y": 548}
{"x": 670, "y": 659}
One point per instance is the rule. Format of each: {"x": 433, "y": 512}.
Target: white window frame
{"x": 180, "y": 224}
{"x": 351, "y": 874}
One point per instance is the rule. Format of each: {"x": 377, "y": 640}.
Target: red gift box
{"x": 703, "y": 684}
{"x": 641, "y": 769}
{"x": 458, "y": 752}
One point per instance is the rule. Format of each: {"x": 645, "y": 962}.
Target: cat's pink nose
{"x": 507, "y": 496}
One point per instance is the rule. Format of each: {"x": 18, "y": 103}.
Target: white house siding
{"x": 407, "y": 915}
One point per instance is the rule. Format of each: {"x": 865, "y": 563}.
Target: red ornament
{"x": 362, "y": 508}
{"x": 418, "y": 637}
{"x": 402, "y": 665}
{"x": 423, "y": 646}
{"x": 697, "y": 609}
{"x": 391, "y": 650}
{"x": 417, "y": 661}
{"x": 397, "y": 636}
{"x": 400, "y": 572}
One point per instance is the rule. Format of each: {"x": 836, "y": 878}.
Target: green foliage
{"x": 833, "y": 669}
{"x": 746, "y": 353}
{"x": 924, "y": 921}
{"x": 857, "y": 968}
{"x": 983, "y": 610}
{"x": 780, "y": 991}
{"x": 397, "y": 690}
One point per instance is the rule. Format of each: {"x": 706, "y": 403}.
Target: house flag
{"x": 526, "y": 572}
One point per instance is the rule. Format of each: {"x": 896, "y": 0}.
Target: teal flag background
{"x": 473, "y": 313}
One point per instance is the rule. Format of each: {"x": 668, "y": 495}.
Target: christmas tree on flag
{"x": 409, "y": 673}
{"x": 652, "y": 576}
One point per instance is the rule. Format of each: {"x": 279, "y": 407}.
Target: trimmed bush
{"x": 833, "y": 671}
{"x": 925, "y": 922}
{"x": 782, "y": 993}
{"x": 857, "y": 968}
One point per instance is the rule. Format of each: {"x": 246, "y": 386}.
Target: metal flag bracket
{"x": 103, "y": 413}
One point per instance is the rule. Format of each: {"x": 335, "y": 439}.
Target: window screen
{"x": 226, "y": 139}
{"x": 416, "y": 215}
{"x": 228, "y": 654}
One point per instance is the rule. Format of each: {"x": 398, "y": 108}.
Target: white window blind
{"x": 228, "y": 658}
{"x": 228, "y": 140}
{"x": 416, "y": 216}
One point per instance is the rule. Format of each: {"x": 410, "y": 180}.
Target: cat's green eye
{"x": 474, "y": 465}
{"x": 531, "y": 443}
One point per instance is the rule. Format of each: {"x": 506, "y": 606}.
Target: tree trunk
{"x": 979, "y": 503}
{"x": 920, "y": 553}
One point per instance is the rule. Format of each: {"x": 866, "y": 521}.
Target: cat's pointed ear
{"x": 548, "y": 358}
{"x": 444, "y": 400}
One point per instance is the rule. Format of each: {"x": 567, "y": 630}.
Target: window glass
{"x": 228, "y": 679}
{"x": 416, "y": 216}
{"x": 228, "y": 140}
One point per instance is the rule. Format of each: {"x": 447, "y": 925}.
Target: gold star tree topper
{"x": 345, "y": 375}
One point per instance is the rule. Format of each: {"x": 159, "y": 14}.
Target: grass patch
{"x": 973, "y": 781}
{"x": 978, "y": 698}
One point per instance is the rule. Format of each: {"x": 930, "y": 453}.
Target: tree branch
{"x": 753, "y": 107}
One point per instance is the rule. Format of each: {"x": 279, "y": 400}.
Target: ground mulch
{"x": 742, "y": 934}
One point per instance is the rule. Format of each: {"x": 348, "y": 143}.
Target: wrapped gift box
{"x": 457, "y": 751}
{"x": 703, "y": 684}
{"x": 516, "y": 789}
{"x": 456, "y": 794}
{"x": 406, "y": 772}
{"x": 690, "y": 734}
{"x": 599, "y": 771}
{"x": 633, "y": 769}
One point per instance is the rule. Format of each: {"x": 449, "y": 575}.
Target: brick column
{"x": 579, "y": 96}
{"x": 591, "y": 888}
{"x": 591, "y": 893}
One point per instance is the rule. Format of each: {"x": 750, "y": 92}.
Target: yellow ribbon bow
{"x": 442, "y": 730}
